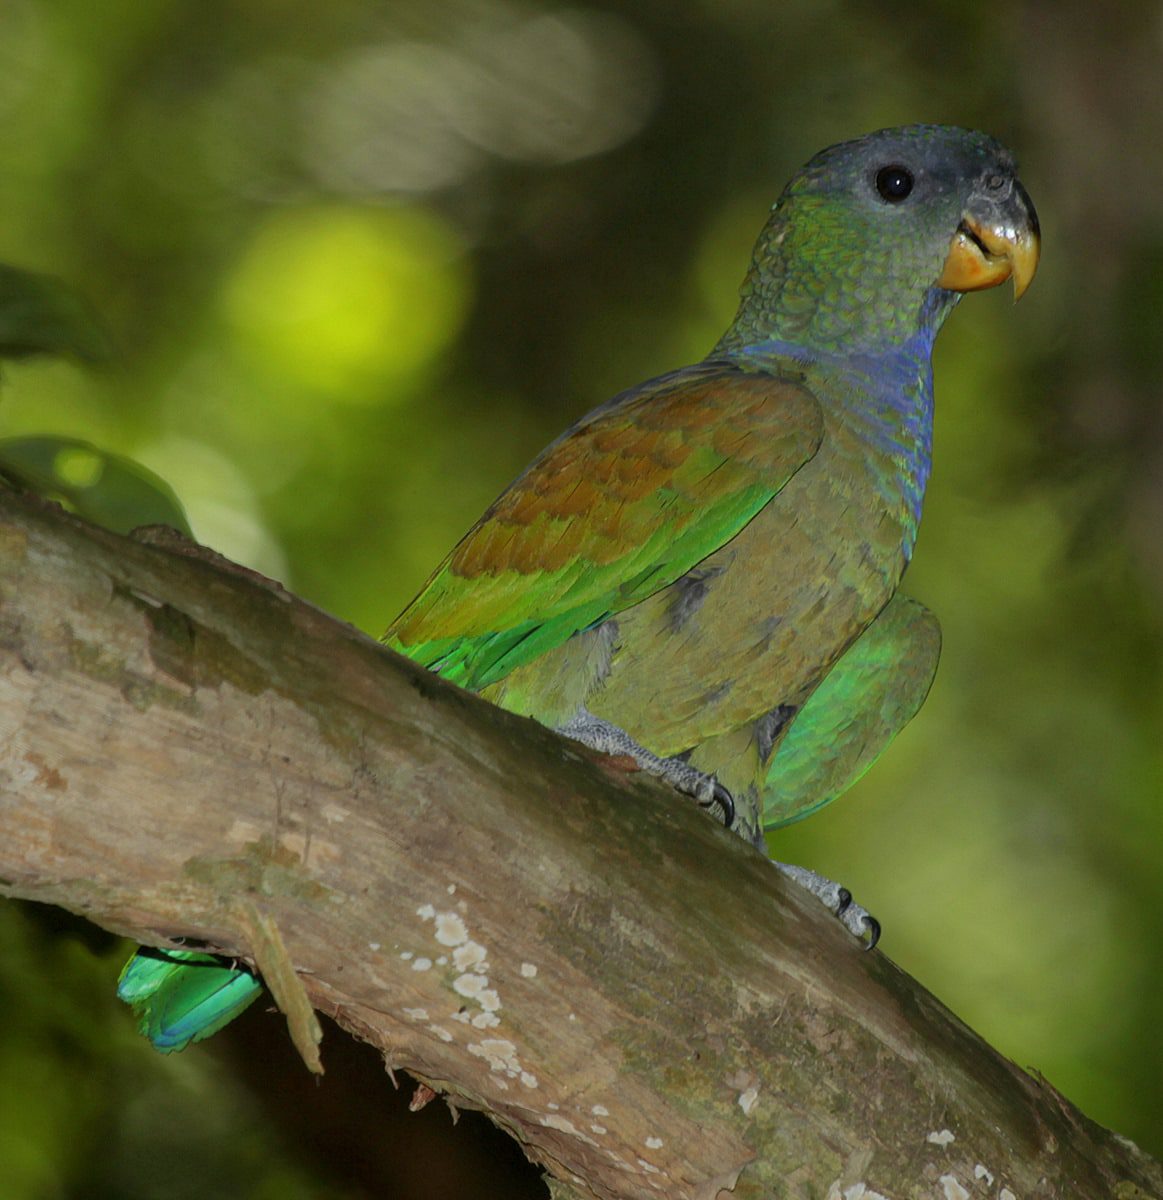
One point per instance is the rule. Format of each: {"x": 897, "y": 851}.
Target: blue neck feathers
{"x": 885, "y": 398}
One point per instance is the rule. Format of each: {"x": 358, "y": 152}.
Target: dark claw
{"x": 725, "y": 801}
{"x": 845, "y": 899}
{"x": 873, "y": 933}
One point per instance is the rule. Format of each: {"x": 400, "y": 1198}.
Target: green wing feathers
{"x": 618, "y": 507}
{"x": 867, "y": 698}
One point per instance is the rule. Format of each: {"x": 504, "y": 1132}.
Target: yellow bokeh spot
{"x": 78, "y": 467}
{"x": 338, "y": 298}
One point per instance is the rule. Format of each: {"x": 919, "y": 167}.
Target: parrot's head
{"x": 874, "y": 239}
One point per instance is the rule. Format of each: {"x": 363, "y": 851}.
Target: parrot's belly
{"x": 759, "y": 622}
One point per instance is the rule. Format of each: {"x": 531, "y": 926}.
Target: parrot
{"x": 702, "y": 573}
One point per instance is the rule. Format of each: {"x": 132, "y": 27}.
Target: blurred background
{"x": 358, "y": 262}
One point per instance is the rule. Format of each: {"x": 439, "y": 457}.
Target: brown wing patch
{"x": 617, "y": 471}
{"x": 641, "y": 489}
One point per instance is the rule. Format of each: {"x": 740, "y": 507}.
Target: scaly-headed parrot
{"x": 702, "y": 572}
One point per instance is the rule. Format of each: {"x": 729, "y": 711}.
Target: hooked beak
{"x": 994, "y": 242}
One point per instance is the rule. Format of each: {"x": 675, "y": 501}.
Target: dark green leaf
{"x": 105, "y": 488}
{"x": 42, "y": 315}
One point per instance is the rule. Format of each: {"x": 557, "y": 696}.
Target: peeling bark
{"x": 186, "y": 750}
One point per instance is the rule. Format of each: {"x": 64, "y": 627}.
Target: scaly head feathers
{"x": 873, "y": 240}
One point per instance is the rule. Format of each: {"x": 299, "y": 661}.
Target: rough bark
{"x": 188, "y": 750}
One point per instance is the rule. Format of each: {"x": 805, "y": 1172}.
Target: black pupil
{"x": 894, "y": 183}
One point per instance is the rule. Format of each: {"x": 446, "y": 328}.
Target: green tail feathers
{"x": 183, "y": 996}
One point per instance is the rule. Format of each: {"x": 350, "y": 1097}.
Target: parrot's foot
{"x": 838, "y": 901}
{"x": 608, "y": 738}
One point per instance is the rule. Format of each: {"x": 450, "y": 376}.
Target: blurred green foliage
{"x": 41, "y": 315}
{"x": 359, "y": 262}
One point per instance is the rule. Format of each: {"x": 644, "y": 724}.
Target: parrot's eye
{"x": 894, "y": 183}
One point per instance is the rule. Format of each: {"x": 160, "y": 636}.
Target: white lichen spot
{"x": 573, "y": 1016}
{"x": 440, "y": 1032}
{"x": 462, "y": 1016}
{"x": 295, "y": 843}
{"x": 243, "y": 831}
{"x": 528, "y": 970}
{"x": 466, "y": 957}
{"x": 599, "y": 1129}
{"x": 334, "y": 814}
{"x": 488, "y": 999}
{"x": 861, "y": 1191}
{"x": 500, "y": 1083}
{"x": 654, "y": 1143}
{"x": 528, "y": 1080}
{"x": 416, "y": 1014}
{"x": 648, "y": 1167}
{"x": 501, "y": 1055}
{"x": 373, "y": 946}
{"x": 941, "y": 1137}
{"x": 470, "y": 986}
{"x": 426, "y": 912}
{"x": 451, "y": 929}
{"x": 748, "y": 1099}
{"x": 567, "y": 1126}
{"x": 983, "y": 1172}
{"x": 600, "y": 1110}
{"x": 406, "y": 954}
{"x": 452, "y": 889}
{"x": 953, "y": 1190}
{"x": 552, "y": 1105}
{"x": 1006, "y": 1194}
{"x": 485, "y": 1020}
{"x": 422, "y": 964}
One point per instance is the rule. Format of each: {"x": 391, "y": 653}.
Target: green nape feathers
{"x": 702, "y": 572}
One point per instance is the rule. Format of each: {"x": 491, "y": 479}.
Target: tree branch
{"x": 188, "y": 750}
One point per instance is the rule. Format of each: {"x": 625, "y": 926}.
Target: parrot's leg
{"x": 837, "y": 900}
{"x": 740, "y": 757}
{"x": 865, "y": 700}
{"x": 608, "y": 738}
